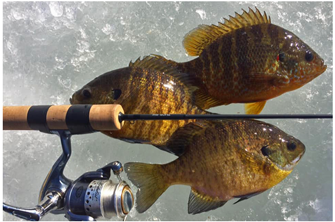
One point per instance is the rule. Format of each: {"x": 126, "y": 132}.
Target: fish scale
{"x": 221, "y": 160}
{"x": 238, "y": 62}
{"x": 152, "y": 93}
{"x": 147, "y": 86}
{"x": 207, "y": 163}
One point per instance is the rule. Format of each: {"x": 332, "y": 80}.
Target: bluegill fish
{"x": 222, "y": 160}
{"x": 248, "y": 60}
{"x": 147, "y": 86}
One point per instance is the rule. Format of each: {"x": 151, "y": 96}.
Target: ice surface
{"x": 51, "y": 49}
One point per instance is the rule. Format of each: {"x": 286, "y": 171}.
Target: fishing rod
{"x": 80, "y": 119}
{"x": 76, "y": 198}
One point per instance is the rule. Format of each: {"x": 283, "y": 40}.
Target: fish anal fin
{"x": 204, "y": 101}
{"x": 199, "y": 202}
{"x": 247, "y": 196}
{"x": 254, "y": 108}
{"x": 202, "y": 36}
{"x": 151, "y": 183}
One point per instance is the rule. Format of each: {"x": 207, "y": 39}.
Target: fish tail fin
{"x": 150, "y": 181}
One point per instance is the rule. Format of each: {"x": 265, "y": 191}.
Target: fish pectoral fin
{"x": 204, "y": 101}
{"x": 247, "y": 196}
{"x": 176, "y": 150}
{"x": 262, "y": 78}
{"x": 182, "y": 137}
{"x": 204, "y": 35}
{"x": 276, "y": 80}
{"x": 150, "y": 181}
{"x": 254, "y": 108}
{"x": 241, "y": 199}
{"x": 199, "y": 202}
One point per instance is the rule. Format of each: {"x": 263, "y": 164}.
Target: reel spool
{"x": 98, "y": 197}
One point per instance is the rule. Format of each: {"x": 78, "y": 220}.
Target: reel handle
{"x": 75, "y": 118}
{"x": 49, "y": 203}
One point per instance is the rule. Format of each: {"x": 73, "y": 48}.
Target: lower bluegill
{"x": 222, "y": 160}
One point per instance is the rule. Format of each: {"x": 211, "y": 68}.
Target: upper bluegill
{"x": 247, "y": 59}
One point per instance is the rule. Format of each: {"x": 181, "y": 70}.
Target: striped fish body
{"x": 237, "y": 68}
{"x": 222, "y": 160}
{"x": 152, "y": 93}
{"x": 247, "y": 60}
{"x": 145, "y": 87}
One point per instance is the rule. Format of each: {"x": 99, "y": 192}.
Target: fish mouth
{"x": 297, "y": 159}
{"x": 322, "y": 69}
{"x": 317, "y": 71}
{"x": 292, "y": 164}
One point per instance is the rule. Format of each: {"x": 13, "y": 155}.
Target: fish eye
{"x": 291, "y": 146}
{"x": 281, "y": 57}
{"x": 309, "y": 56}
{"x": 116, "y": 93}
{"x": 265, "y": 150}
{"x": 87, "y": 93}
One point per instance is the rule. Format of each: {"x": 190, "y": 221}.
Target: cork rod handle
{"x": 75, "y": 118}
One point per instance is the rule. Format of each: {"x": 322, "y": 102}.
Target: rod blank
{"x": 131, "y": 117}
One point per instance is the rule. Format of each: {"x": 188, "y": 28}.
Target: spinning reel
{"x": 93, "y": 195}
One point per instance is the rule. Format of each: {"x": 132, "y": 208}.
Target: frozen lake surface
{"x": 51, "y": 49}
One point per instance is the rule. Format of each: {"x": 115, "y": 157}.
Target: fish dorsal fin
{"x": 199, "y": 38}
{"x": 168, "y": 67}
{"x": 182, "y": 137}
{"x": 155, "y": 62}
{"x": 151, "y": 62}
{"x": 199, "y": 202}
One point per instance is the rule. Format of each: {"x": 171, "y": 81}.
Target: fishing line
{"x": 132, "y": 117}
